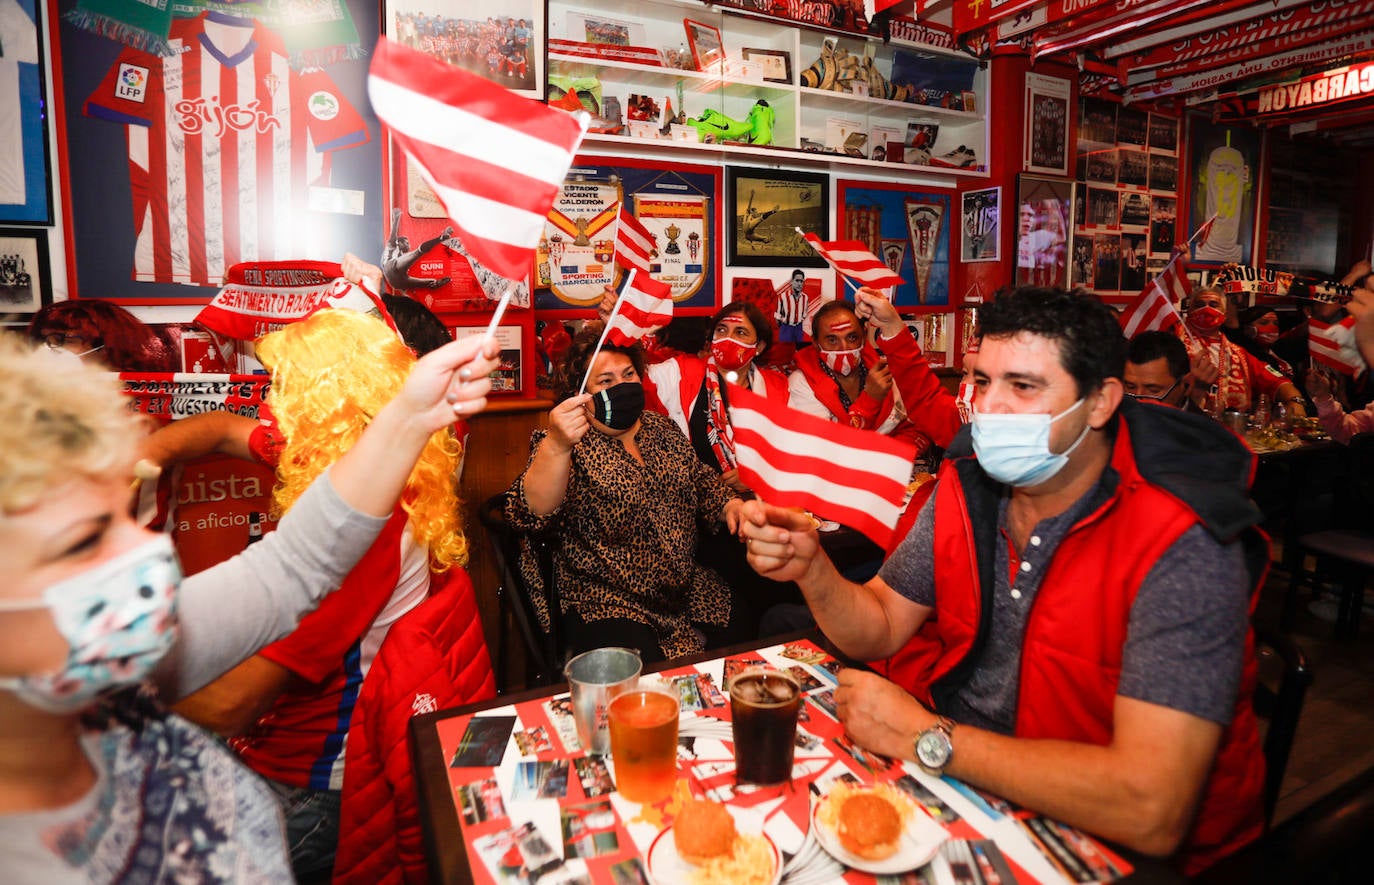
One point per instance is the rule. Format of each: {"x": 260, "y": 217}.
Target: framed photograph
{"x": 1047, "y": 124}
{"x": 981, "y": 227}
{"x": 25, "y": 165}
{"x": 1132, "y": 127}
{"x": 1163, "y": 133}
{"x": 25, "y": 284}
{"x": 708, "y": 50}
{"x": 776, "y": 64}
{"x": 1163, "y": 173}
{"x": 764, "y": 208}
{"x": 499, "y": 40}
{"x": 1044, "y": 237}
{"x": 1133, "y": 167}
{"x": 1163, "y": 211}
{"x": 1107, "y": 263}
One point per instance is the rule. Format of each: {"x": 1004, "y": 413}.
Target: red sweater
{"x": 434, "y": 657}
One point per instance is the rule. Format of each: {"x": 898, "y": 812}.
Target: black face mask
{"x": 619, "y": 406}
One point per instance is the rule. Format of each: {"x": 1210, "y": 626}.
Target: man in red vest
{"x": 1075, "y": 595}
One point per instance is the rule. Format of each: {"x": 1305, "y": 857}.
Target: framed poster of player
{"x": 1044, "y": 238}
{"x": 765, "y": 208}
{"x": 25, "y": 284}
{"x": 981, "y": 226}
{"x": 172, "y": 182}
{"x": 1047, "y": 124}
{"x": 1223, "y": 168}
{"x": 500, "y": 40}
{"x": 25, "y": 165}
{"x": 911, "y": 230}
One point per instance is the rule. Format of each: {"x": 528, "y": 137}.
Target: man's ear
{"x": 1104, "y": 402}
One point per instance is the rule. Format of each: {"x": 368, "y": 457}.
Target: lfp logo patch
{"x": 323, "y": 106}
{"x": 132, "y": 83}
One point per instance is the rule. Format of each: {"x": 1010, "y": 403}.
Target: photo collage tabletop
{"x": 533, "y": 806}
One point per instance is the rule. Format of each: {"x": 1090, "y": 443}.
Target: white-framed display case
{"x": 783, "y": 93}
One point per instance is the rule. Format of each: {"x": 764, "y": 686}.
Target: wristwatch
{"x": 934, "y": 746}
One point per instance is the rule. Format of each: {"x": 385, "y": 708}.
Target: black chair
{"x": 516, "y": 600}
{"x": 1345, "y": 550}
{"x": 1281, "y": 704}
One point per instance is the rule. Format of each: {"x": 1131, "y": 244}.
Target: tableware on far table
{"x": 595, "y": 678}
{"x": 920, "y": 842}
{"x": 643, "y": 726}
{"x": 764, "y": 703}
{"x": 666, "y": 866}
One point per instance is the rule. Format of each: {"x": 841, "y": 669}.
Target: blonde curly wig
{"x": 330, "y": 374}
{"x": 58, "y": 418}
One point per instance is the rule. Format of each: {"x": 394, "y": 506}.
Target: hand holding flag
{"x": 855, "y": 477}
{"x": 495, "y": 160}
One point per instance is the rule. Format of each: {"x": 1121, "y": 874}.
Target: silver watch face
{"x": 933, "y": 748}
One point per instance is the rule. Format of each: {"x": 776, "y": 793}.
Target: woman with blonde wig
{"x": 98, "y": 782}
{"x": 289, "y": 707}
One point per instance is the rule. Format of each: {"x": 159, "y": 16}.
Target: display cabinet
{"x": 670, "y": 76}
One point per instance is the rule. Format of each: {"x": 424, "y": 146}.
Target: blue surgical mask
{"x": 119, "y": 620}
{"x": 1015, "y": 449}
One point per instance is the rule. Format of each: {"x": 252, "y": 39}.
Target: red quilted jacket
{"x": 434, "y": 657}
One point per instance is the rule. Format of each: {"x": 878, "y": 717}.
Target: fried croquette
{"x": 704, "y": 830}
{"x": 869, "y": 826}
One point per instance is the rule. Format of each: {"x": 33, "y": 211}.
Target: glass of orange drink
{"x": 643, "y": 723}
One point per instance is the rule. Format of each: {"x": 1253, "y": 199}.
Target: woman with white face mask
{"x": 98, "y": 627}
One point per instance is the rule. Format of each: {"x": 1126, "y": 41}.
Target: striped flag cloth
{"x": 1154, "y": 308}
{"x": 855, "y": 477}
{"x": 645, "y": 305}
{"x": 495, "y": 159}
{"x": 634, "y": 245}
{"x": 1333, "y": 345}
{"x": 852, "y": 259}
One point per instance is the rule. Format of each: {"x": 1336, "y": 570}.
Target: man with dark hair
{"x": 1157, "y": 369}
{"x": 1075, "y": 595}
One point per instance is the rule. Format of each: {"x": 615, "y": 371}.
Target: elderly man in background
{"x": 1113, "y": 548}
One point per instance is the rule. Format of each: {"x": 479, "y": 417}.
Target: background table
{"x": 476, "y": 815}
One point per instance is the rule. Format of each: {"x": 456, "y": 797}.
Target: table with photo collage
{"x": 508, "y": 796}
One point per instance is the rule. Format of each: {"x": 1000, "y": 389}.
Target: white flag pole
{"x": 500, "y": 312}
{"x": 629, "y": 281}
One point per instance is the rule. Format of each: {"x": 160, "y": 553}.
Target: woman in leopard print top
{"x": 626, "y": 496}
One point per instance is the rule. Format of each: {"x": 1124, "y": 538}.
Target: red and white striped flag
{"x": 645, "y": 305}
{"x": 495, "y": 159}
{"x": 1155, "y": 307}
{"x": 855, "y": 477}
{"x": 852, "y": 259}
{"x": 1333, "y": 345}
{"x": 634, "y": 245}
{"x": 1202, "y": 233}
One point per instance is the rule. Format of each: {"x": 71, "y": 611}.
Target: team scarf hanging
{"x": 144, "y": 26}
{"x": 262, "y": 296}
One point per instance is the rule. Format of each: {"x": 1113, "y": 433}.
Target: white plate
{"x": 920, "y": 842}
{"x": 666, "y": 866}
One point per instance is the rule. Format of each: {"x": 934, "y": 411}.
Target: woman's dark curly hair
{"x": 127, "y": 343}
{"x": 568, "y": 376}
